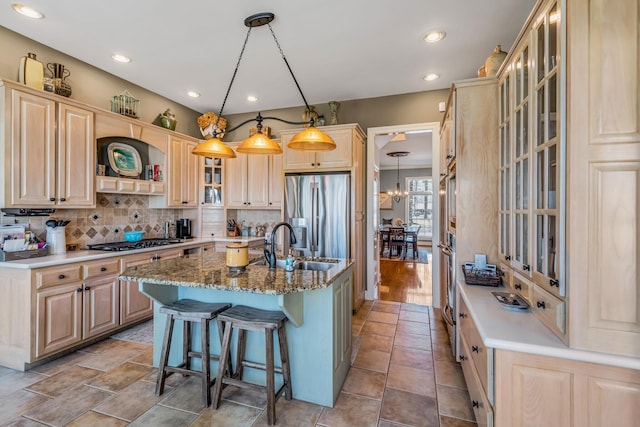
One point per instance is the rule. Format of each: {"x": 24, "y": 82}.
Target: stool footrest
{"x": 256, "y": 365}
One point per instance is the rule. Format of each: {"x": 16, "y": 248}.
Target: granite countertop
{"x": 92, "y": 255}
{"x": 208, "y": 271}
{"x": 505, "y": 329}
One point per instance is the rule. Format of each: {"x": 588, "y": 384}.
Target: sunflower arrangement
{"x": 211, "y": 125}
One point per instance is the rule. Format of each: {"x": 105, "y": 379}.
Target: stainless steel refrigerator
{"x": 318, "y": 208}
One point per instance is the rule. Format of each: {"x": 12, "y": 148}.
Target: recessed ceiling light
{"x": 431, "y": 77}
{"x": 120, "y": 58}
{"x": 27, "y": 11}
{"x": 252, "y": 98}
{"x": 434, "y": 36}
{"x": 193, "y": 94}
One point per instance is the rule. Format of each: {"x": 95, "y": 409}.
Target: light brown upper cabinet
{"x": 52, "y": 155}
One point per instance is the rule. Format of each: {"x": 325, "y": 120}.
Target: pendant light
{"x": 397, "y": 195}
{"x": 311, "y": 139}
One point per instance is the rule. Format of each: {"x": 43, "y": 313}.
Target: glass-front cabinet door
{"x": 531, "y": 155}
{"x": 546, "y": 151}
{"x": 212, "y": 182}
{"x": 521, "y": 162}
{"x": 504, "y": 246}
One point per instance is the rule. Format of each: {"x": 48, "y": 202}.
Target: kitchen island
{"x": 317, "y": 304}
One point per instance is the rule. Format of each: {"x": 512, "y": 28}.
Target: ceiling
{"x": 338, "y": 50}
{"x": 418, "y": 144}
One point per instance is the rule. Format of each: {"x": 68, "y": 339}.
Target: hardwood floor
{"x": 406, "y": 281}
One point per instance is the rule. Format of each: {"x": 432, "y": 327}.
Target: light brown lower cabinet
{"x": 75, "y": 302}
{"x": 533, "y": 390}
{"x": 44, "y": 311}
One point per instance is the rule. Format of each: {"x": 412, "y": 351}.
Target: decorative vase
{"x": 494, "y": 61}
{"x": 334, "y": 106}
{"x": 168, "y": 120}
{"x": 31, "y": 71}
{"x": 482, "y": 72}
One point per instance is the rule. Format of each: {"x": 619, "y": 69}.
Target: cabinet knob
{"x": 475, "y": 403}
{"x": 507, "y": 257}
{"x": 103, "y": 268}
{"x": 213, "y": 234}
{"x": 554, "y": 282}
{"x": 541, "y": 304}
{"x": 79, "y": 290}
{"x": 184, "y": 202}
{"x": 449, "y": 156}
{"x": 62, "y": 199}
{"x": 526, "y": 267}
{"x": 518, "y": 286}
{"x": 462, "y": 315}
{"x": 248, "y": 203}
{"x": 52, "y": 199}
{"x": 462, "y": 358}
{"x": 62, "y": 276}
{"x": 87, "y": 288}
{"x": 475, "y": 349}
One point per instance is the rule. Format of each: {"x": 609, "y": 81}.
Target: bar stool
{"x": 189, "y": 311}
{"x": 245, "y": 319}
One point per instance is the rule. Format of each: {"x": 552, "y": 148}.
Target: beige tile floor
{"x": 402, "y": 374}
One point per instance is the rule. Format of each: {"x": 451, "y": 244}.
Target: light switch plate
{"x": 441, "y": 106}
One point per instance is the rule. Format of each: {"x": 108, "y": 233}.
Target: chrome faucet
{"x": 270, "y": 255}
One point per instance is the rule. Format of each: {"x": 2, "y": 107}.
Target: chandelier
{"x": 310, "y": 139}
{"x": 397, "y": 195}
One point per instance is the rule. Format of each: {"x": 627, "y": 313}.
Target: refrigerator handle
{"x": 314, "y": 218}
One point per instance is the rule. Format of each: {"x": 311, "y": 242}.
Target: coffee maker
{"x": 183, "y": 228}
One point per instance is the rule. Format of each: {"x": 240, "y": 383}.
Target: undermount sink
{"x": 301, "y": 264}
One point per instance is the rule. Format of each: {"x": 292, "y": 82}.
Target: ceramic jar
{"x": 168, "y": 120}
{"x": 494, "y": 61}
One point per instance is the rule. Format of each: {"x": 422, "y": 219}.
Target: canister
{"x": 237, "y": 256}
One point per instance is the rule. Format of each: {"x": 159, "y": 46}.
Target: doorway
{"x": 378, "y": 138}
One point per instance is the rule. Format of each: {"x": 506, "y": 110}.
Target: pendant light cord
{"x": 288, "y": 66}
{"x": 246, "y": 39}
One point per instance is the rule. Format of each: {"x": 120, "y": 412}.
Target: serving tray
{"x": 511, "y": 301}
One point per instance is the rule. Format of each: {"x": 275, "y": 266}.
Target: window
{"x": 420, "y": 204}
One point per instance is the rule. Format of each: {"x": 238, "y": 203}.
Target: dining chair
{"x": 384, "y": 238}
{"x": 396, "y": 241}
{"x": 411, "y": 239}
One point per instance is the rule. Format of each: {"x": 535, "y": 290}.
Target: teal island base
{"x": 318, "y": 333}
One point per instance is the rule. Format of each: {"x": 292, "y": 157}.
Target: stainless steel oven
{"x": 448, "y": 257}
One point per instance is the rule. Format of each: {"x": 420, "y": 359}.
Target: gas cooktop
{"x": 129, "y": 246}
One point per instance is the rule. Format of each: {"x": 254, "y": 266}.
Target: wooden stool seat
{"x": 189, "y": 311}
{"x": 245, "y": 319}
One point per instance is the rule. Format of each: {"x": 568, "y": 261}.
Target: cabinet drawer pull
{"x": 87, "y": 288}
{"x": 554, "y": 282}
{"x": 52, "y": 199}
{"x": 313, "y": 164}
{"x": 475, "y": 403}
{"x": 103, "y": 268}
{"x": 79, "y": 290}
{"x": 526, "y": 267}
{"x": 184, "y": 202}
{"x": 541, "y": 304}
{"x": 475, "y": 349}
{"x": 518, "y": 286}
{"x": 62, "y": 199}
{"x": 62, "y": 276}
{"x": 317, "y": 164}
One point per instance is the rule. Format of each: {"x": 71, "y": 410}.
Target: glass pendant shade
{"x": 312, "y": 139}
{"x": 259, "y": 144}
{"x": 214, "y": 147}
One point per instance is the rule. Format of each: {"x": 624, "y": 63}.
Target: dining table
{"x": 409, "y": 233}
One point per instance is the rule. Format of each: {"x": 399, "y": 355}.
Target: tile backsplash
{"x": 114, "y": 214}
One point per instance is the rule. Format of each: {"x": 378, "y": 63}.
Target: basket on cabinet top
{"x": 489, "y": 276}
{"x": 125, "y": 104}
